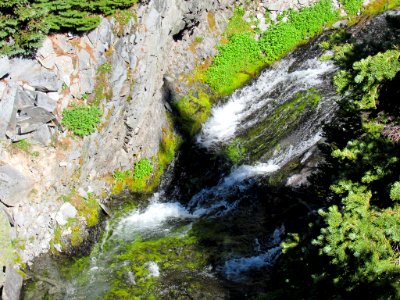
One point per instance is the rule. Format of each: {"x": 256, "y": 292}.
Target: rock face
{"x": 14, "y": 186}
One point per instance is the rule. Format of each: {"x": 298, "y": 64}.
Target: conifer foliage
{"x": 24, "y": 23}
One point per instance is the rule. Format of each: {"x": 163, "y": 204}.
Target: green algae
{"x": 193, "y": 111}
{"x": 264, "y": 137}
{"x": 173, "y": 254}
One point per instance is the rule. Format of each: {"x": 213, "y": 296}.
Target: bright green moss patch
{"x": 352, "y": 6}
{"x": 193, "y": 111}
{"x": 237, "y": 61}
{"x": 143, "y": 169}
{"x": 81, "y": 120}
{"x": 237, "y": 24}
{"x": 282, "y": 37}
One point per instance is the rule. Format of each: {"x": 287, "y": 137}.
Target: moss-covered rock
{"x": 263, "y": 138}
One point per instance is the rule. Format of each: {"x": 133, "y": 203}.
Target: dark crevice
{"x": 187, "y": 28}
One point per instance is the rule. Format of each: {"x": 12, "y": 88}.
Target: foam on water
{"x": 153, "y": 268}
{"x": 154, "y": 216}
{"x": 235, "y": 269}
{"x": 212, "y": 200}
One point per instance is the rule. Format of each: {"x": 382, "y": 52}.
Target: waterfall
{"x": 274, "y": 87}
{"x": 164, "y": 216}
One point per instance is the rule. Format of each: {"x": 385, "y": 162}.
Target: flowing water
{"x": 153, "y": 252}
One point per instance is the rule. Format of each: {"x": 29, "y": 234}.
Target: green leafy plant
{"x": 81, "y": 120}
{"x": 352, "y": 6}
{"x": 143, "y": 168}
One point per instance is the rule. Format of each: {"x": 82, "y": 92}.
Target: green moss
{"x": 122, "y": 18}
{"x": 146, "y": 174}
{"x": 23, "y": 145}
{"x": 237, "y": 61}
{"x": 102, "y": 89}
{"x": 262, "y": 138}
{"x": 352, "y": 6}
{"x": 176, "y": 254}
{"x": 235, "y": 152}
{"x": 104, "y": 68}
{"x": 237, "y": 24}
{"x": 193, "y": 111}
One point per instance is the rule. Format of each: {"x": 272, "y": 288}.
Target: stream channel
{"x": 211, "y": 231}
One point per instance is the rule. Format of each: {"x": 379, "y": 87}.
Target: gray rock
{"x": 13, "y": 285}
{"x": 339, "y": 24}
{"x": 65, "y": 69}
{"x": 14, "y": 186}
{"x": 46, "y": 55}
{"x": 25, "y": 98}
{"x": 42, "y": 100}
{"x": 84, "y": 60}
{"x": 64, "y": 44}
{"x": 4, "y": 66}
{"x": 7, "y": 108}
{"x": 31, "y": 118}
{"x": 41, "y": 79}
{"x": 86, "y": 81}
{"x": 42, "y": 135}
{"x": 86, "y": 72}
{"x": 67, "y": 211}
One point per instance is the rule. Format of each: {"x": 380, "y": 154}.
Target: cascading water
{"x": 121, "y": 252}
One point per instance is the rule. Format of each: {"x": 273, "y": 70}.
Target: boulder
{"x": 42, "y": 135}
{"x": 66, "y": 211}
{"x": 7, "y": 108}
{"x": 31, "y": 118}
{"x": 25, "y": 98}
{"x": 40, "y": 78}
{"x": 65, "y": 68}
{"x": 44, "y": 101}
{"x": 63, "y": 43}
{"x": 12, "y": 285}
{"x": 46, "y": 55}
{"x": 14, "y": 186}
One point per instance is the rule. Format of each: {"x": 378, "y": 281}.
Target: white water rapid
{"x": 275, "y": 86}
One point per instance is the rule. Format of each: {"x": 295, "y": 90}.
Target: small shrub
{"x": 395, "y": 191}
{"x": 143, "y": 169}
{"x": 352, "y": 6}
{"x": 81, "y": 120}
